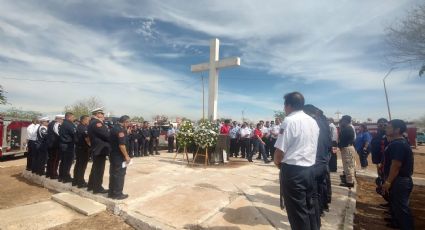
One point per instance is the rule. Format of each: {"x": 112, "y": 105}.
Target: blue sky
{"x": 136, "y": 56}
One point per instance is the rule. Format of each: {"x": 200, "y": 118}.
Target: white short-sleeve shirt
{"x": 298, "y": 137}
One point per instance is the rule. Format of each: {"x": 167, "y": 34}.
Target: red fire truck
{"x": 13, "y": 137}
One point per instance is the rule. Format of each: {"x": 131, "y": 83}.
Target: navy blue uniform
{"x": 82, "y": 155}
{"x": 322, "y": 186}
{"x": 145, "y": 134}
{"x": 402, "y": 186}
{"x": 100, "y": 148}
{"x": 41, "y": 148}
{"x": 154, "y": 142}
{"x": 116, "y": 171}
{"x": 53, "y": 151}
{"x": 66, "y": 150}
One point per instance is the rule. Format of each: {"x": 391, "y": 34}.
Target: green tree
{"x": 84, "y": 107}
{"x": 160, "y": 119}
{"x": 279, "y": 114}
{"x": 407, "y": 39}
{"x": 21, "y": 114}
{"x": 137, "y": 119}
{"x": 3, "y": 99}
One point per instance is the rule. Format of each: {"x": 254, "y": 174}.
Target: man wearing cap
{"x": 100, "y": 148}
{"x": 82, "y": 147}
{"x": 66, "y": 147}
{"x": 41, "y": 146}
{"x": 119, "y": 155}
{"x": 32, "y": 137}
{"x": 345, "y": 144}
{"x": 53, "y": 146}
{"x": 295, "y": 155}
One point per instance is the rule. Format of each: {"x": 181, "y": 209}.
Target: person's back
{"x": 300, "y": 148}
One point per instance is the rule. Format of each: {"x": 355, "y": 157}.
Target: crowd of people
{"x": 54, "y": 145}
{"x": 306, "y": 150}
{"x": 303, "y": 146}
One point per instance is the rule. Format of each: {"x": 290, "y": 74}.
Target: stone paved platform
{"x": 168, "y": 194}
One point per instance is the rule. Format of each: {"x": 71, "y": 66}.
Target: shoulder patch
{"x": 121, "y": 134}
{"x": 99, "y": 125}
{"x": 281, "y": 131}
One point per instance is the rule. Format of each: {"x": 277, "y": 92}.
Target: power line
{"x": 85, "y": 82}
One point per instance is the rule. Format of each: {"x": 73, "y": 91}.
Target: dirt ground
{"x": 16, "y": 191}
{"x": 369, "y": 216}
{"x": 102, "y": 221}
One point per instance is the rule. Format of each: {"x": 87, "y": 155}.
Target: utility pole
{"x": 203, "y": 98}
{"x": 386, "y": 94}
{"x": 243, "y": 115}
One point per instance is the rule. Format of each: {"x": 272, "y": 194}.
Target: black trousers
{"x": 82, "y": 158}
{"x": 234, "y": 147}
{"x": 97, "y": 171}
{"x": 116, "y": 175}
{"x": 298, "y": 185}
{"x": 399, "y": 196}
{"x": 267, "y": 146}
{"x": 41, "y": 159}
{"x": 153, "y": 145}
{"x": 30, "y": 154}
{"x": 320, "y": 194}
{"x": 141, "y": 142}
{"x": 66, "y": 158}
{"x": 134, "y": 148}
{"x": 34, "y": 156}
{"x": 53, "y": 162}
{"x": 363, "y": 157}
{"x": 272, "y": 148}
{"x": 333, "y": 163}
{"x": 245, "y": 147}
{"x": 146, "y": 148}
{"x": 170, "y": 144}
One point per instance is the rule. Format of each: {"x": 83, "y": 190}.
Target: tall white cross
{"x": 213, "y": 67}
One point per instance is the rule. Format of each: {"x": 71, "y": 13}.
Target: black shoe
{"x": 392, "y": 226}
{"x": 119, "y": 197}
{"x": 82, "y": 185}
{"x": 258, "y": 158}
{"x": 326, "y": 209}
{"x": 60, "y": 179}
{"x": 389, "y": 220}
{"x": 54, "y": 177}
{"x": 387, "y": 205}
{"x": 67, "y": 180}
{"x": 267, "y": 162}
{"x": 243, "y": 156}
{"x": 74, "y": 183}
{"x": 157, "y": 153}
{"x": 145, "y": 155}
{"x": 348, "y": 185}
{"x": 102, "y": 191}
{"x": 250, "y": 160}
{"x": 89, "y": 188}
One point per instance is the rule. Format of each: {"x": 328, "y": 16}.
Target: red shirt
{"x": 225, "y": 129}
{"x": 258, "y": 133}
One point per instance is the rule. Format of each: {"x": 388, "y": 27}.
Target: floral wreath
{"x": 185, "y": 133}
{"x": 206, "y": 134}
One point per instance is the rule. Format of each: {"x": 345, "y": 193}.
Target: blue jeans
{"x": 260, "y": 146}
{"x": 399, "y": 195}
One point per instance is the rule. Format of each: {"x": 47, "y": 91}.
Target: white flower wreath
{"x": 185, "y": 133}
{"x": 206, "y": 134}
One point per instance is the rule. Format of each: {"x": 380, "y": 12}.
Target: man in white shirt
{"x": 32, "y": 138}
{"x": 334, "y": 137}
{"x": 245, "y": 140}
{"x": 274, "y": 133}
{"x": 171, "y": 134}
{"x": 295, "y": 154}
{"x": 234, "y": 139}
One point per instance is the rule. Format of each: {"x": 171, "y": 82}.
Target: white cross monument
{"x": 213, "y": 67}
